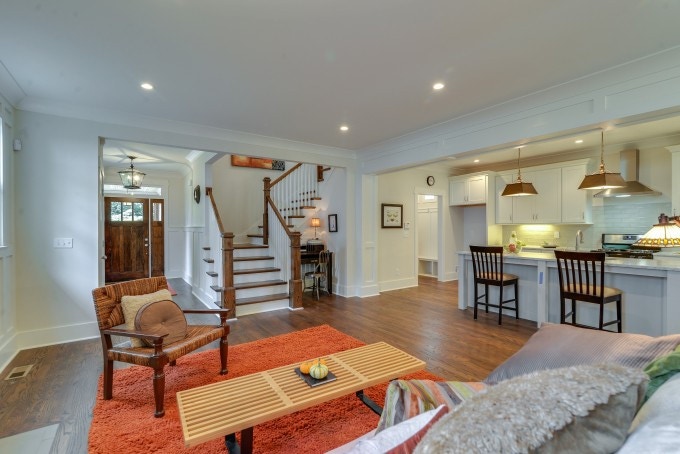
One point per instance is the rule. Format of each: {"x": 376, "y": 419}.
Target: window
{"x": 127, "y": 212}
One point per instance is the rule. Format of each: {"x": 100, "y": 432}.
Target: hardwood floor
{"x": 424, "y": 321}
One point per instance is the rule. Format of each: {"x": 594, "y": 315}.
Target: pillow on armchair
{"x": 162, "y": 316}
{"x": 130, "y": 304}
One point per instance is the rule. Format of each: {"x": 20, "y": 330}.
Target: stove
{"x": 621, "y": 245}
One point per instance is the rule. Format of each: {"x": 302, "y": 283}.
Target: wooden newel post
{"x": 265, "y": 214}
{"x": 229, "y": 294}
{"x": 295, "y": 283}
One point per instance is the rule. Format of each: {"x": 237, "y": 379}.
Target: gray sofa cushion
{"x": 554, "y": 346}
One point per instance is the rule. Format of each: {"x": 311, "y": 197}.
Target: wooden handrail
{"x": 286, "y": 173}
{"x": 209, "y": 193}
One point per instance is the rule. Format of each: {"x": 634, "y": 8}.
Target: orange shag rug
{"x": 126, "y": 422}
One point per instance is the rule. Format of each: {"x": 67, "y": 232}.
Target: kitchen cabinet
{"x": 544, "y": 208}
{"x": 468, "y": 190}
{"x": 576, "y": 203}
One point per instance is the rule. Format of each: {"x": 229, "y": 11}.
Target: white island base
{"x": 651, "y": 291}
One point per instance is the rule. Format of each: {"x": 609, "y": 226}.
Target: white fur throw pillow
{"x": 570, "y": 410}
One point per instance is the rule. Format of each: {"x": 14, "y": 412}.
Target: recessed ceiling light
{"x": 578, "y": 141}
{"x": 146, "y": 86}
{"x": 344, "y": 128}
{"x": 476, "y": 160}
{"x": 438, "y": 86}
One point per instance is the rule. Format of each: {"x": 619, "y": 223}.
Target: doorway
{"x": 134, "y": 238}
{"x": 429, "y": 242}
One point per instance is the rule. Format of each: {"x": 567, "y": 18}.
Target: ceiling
{"x": 298, "y": 69}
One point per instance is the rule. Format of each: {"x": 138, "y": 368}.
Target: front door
{"x": 134, "y": 238}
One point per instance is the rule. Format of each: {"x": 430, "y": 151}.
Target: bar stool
{"x": 582, "y": 279}
{"x": 487, "y": 265}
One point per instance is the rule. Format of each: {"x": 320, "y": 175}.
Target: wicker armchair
{"x": 107, "y": 303}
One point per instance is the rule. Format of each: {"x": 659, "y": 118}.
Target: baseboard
{"x": 368, "y": 290}
{"x": 8, "y": 349}
{"x": 57, "y": 335}
{"x": 396, "y": 284}
{"x": 451, "y": 276}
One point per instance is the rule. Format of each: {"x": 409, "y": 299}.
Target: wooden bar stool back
{"x": 582, "y": 279}
{"x": 487, "y": 265}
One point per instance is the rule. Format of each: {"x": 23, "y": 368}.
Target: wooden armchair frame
{"x": 107, "y": 303}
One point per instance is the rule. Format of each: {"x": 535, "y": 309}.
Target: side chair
{"x": 487, "y": 265}
{"x": 107, "y": 304}
{"x": 581, "y": 277}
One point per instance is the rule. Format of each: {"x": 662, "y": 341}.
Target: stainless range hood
{"x": 630, "y": 171}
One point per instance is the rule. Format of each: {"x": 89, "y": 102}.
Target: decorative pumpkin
{"x": 304, "y": 367}
{"x": 318, "y": 370}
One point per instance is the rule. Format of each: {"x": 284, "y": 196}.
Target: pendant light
{"x": 131, "y": 178}
{"x": 602, "y": 179}
{"x": 519, "y": 187}
{"x": 664, "y": 234}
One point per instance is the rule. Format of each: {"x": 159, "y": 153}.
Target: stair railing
{"x": 285, "y": 199}
{"x": 223, "y": 241}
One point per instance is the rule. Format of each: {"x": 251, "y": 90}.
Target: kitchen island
{"x": 651, "y": 290}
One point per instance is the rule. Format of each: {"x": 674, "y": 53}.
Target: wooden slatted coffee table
{"x": 239, "y": 404}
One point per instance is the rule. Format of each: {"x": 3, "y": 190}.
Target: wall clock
{"x": 197, "y": 193}
{"x": 430, "y": 180}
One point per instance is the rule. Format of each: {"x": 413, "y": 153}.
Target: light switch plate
{"x": 63, "y": 243}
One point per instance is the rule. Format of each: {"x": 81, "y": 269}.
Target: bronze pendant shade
{"x": 602, "y": 179}
{"x": 519, "y": 188}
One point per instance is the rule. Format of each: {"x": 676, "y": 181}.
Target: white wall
{"x": 397, "y": 248}
{"x": 7, "y": 306}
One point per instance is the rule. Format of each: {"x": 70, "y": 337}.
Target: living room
{"x": 51, "y": 189}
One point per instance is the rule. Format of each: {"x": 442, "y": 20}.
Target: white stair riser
{"x": 251, "y": 252}
{"x": 256, "y": 277}
{"x": 253, "y": 264}
{"x": 261, "y": 307}
{"x": 261, "y": 291}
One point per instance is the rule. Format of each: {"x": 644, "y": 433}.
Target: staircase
{"x": 263, "y": 274}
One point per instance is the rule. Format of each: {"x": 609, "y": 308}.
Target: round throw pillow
{"x": 164, "y": 315}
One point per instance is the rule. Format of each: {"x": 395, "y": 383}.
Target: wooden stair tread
{"x": 256, "y": 270}
{"x": 259, "y": 284}
{"x": 209, "y": 260}
{"x": 298, "y": 216}
{"x": 261, "y": 299}
{"x": 250, "y": 246}
{"x": 255, "y": 257}
{"x": 217, "y": 288}
{"x": 211, "y": 273}
{"x": 206, "y": 248}
{"x": 255, "y": 235}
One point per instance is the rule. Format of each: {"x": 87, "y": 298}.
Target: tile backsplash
{"x": 636, "y": 216}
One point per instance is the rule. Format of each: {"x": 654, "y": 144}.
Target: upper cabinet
{"x": 468, "y": 190}
{"x": 543, "y": 208}
{"x": 559, "y": 201}
{"x": 576, "y": 203}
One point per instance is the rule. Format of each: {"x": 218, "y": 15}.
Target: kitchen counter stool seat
{"x": 487, "y": 266}
{"x": 581, "y": 277}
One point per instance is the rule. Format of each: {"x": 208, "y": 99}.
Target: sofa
{"x": 568, "y": 389}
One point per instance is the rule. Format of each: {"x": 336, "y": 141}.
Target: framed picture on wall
{"x": 391, "y": 216}
{"x": 332, "y": 222}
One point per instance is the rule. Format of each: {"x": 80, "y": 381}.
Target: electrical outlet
{"x": 62, "y": 243}
{"x": 556, "y": 235}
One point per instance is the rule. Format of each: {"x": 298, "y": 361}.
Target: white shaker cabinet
{"x": 544, "y": 208}
{"x": 576, "y": 203}
{"x": 467, "y": 190}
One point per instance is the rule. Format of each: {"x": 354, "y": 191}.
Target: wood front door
{"x": 134, "y": 238}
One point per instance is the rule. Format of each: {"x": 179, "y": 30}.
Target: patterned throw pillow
{"x": 569, "y": 410}
{"x": 132, "y": 303}
{"x": 407, "y": 398}
{"x": 554, "y": 346}
{"x": 661, "y": 370}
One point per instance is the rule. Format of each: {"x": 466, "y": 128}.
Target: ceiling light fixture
{"x": 602, "y": 179}
{"x": 438, "y": 86}
{"x": 131, "y": 178}
{"x": 476, "y": 160}
{"x": 578, "y": 141}
{"x": 146, "y": 86}
{"x": 344, "y": 128}
{"x": 519, "y": 187}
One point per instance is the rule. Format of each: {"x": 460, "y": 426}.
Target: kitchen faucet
{"x": 579, "y": 236}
